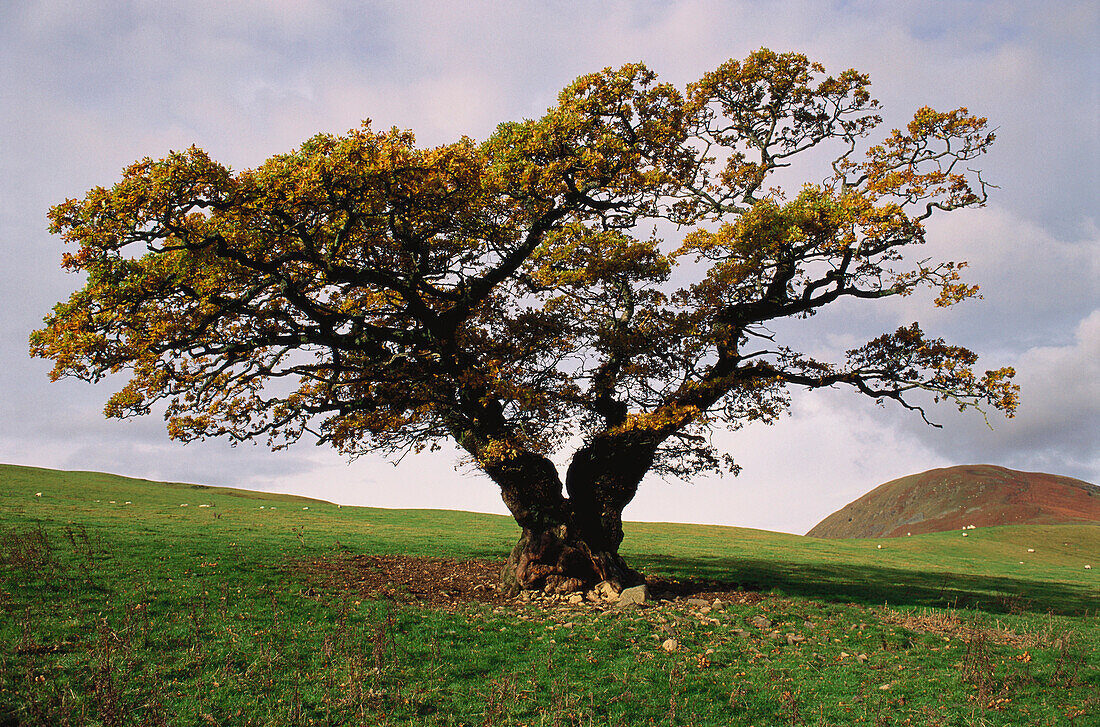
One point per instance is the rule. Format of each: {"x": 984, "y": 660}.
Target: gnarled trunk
{"x": 564, "y": 559}
{"x": 573, "y": 544}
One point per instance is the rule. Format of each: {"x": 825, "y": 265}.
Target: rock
{"x": 607, "y": 591}
{"x": 670, "y": 644}
{"x": 861, "y": 658}
{"x": 698, "y": 602}
{"x": 742, "y": 633}
{"x": 717, "y": 603}
{"x": 576, "y": 599}
{"x": 636, "y": 596}
{"x": 793, "y": 639}
{"x": 761, "y": 622}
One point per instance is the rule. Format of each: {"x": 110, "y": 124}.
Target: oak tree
{"x": 514, "y": 296}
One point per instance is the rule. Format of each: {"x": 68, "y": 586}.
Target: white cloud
{"x": 833, "y": 448}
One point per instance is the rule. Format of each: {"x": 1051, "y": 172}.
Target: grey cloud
{"x": 1057, "y": 428}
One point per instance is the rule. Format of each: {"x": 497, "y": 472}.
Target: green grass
{"x": 155, "y": 613}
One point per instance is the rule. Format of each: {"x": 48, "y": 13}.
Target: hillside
{"x": 131, "y": 602}
{"x": 953, "y": 498}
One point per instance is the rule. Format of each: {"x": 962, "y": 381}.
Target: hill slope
{"x": 128, "y": 601}
{"x": 955, "y": 497}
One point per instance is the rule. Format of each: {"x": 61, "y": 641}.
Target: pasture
{"x": 130, "y": 602}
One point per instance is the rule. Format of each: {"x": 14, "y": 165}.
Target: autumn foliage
{"x": 513, "y": 295}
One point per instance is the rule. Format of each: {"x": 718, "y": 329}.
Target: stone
{"x": 717, "y": 603}
{"x": 793, "y": 639}
{"x": 698, "y": 602}
{"x": 576, "y": 599}
{"x": 607, "y": 591}
{"x": 636, "y": 596}
{"x": 670, "y": 645}
{"x": 742, "y": 633}
{"x": 761, "y": 622}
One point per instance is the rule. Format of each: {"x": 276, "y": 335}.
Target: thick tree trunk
{"x": 565, "y": 559}
{"x": 566, "y": 545}
{"x": 579, "y": 546}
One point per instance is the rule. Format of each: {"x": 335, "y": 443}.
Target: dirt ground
{"x": 450, "y": 583}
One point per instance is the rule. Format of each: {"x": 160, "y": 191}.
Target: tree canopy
{"x": 515, "y": 296}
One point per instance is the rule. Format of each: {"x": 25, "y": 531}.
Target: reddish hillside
{"x": 955, "y": 497}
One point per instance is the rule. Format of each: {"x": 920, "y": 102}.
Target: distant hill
{"x": 955, "y": 497}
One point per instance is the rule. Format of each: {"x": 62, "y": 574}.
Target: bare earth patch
{"x": 451, "y": 583}
{"x": 407, "y": 579}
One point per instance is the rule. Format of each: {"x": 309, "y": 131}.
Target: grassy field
{"x": 129, "y": 602}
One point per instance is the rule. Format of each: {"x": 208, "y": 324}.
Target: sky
{"x": 88, "y": 87}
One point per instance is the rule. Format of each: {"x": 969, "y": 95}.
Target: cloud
{"x": 1035, "y": 287}
{"x": 1056, "y": 427}
{"x": 833, "y": 448}
{"x": 249, "y": 79}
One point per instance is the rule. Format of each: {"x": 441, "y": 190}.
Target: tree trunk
{"x": 566, "y": 545}
{"x": 566, "y": 559}
{"x": 578, "y": 546}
